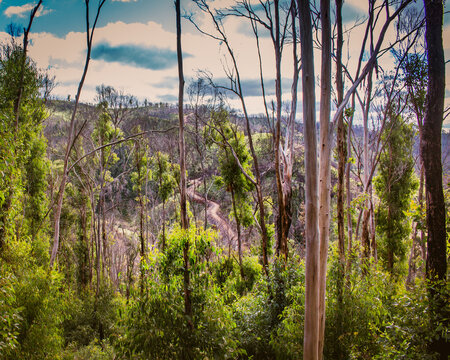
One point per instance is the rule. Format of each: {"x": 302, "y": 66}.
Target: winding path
{"x": 227, "y": 232}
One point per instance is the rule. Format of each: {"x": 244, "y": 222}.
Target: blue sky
{"x": 134, "y": 47}
{"x": 65, "y": 16}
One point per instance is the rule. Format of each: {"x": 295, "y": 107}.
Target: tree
{"x": 436, "y": 264}
{"x": 394, "y": 185}
{"x": 104, "y": 133}
{"x": 230, "y": 139}
{"x": 162, "y": 173}
{"x": 312, "y": 317}
{"x": 139, "y": 178}
{"x": 182, "y": 149}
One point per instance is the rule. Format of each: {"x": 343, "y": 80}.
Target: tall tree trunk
{"x": 436, "y": 265}
{"x": 281, "y": 246}
{"x": 342, "y": 158}
{"x": 325, "y": 163}
{"x": 141, "y": 215}
{"x": 312, "y": 319}
{"x": 341, "y": 137}
{"x": 181, "y": 144}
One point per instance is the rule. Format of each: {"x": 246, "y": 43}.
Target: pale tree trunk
{"x": 181, "y": 144}
{"x": 311, "y": 327}
{"x": 70, "y": 136}
{"x": 436, "y": 265}
{"x": 325, "y": 163}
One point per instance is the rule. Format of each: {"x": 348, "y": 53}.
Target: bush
{"x": 155, "y": 325}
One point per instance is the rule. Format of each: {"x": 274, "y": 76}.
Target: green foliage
{"x": 155, "y": 325}
{"x": 91, "y": 318}
{"x": 229, "y": 139}
{"x": 32, "y": 305}
{"x": 164, "y": 174}
{"x": 394, "y": 185}
{"x": 266, "y": 315}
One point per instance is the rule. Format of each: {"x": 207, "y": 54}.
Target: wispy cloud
{"x": 152, "y": 58}
{"x": 22, "y": 11}
{"x": 124, "y": 0}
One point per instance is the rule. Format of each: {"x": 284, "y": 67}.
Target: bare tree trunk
{"x": 436, "y": 265}
{"x": 341, "y": 137}
{"x": 181, "y": 144}
{"x": 238, "y": 229}
{"x": 349, "y": 195}
{"x": 325, "y": 164}
{"x": 282, "y": 215}
{"x": 312, "y": 319}
{"x": 141, "y": 214}
{"x": 342, "y": 159}
{"x": 365, "y": 235}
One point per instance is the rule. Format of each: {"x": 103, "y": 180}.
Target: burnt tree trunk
{"x": 436, "y": 263}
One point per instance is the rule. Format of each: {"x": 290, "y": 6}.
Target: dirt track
{"x": 214, "y": 214}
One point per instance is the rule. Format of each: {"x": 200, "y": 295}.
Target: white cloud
{"x": 19, "y": 11}
{"x": 24, "y": 10}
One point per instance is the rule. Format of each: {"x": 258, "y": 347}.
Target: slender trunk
{"x": 281, "y": 246}
{"x": 436, "y": 265}
{"x": 98, "y": 251}
{"x": 141, "y": 215}
{"x": 325, "y": 164}
{"x": 348, "y": 166}
{"x": 342, "y": 158}
{"x": 312, "y": 319}
{"x": 181, "y": 144}
{"x": 423, "y": 246}
{"x": 341, "y": 138}
{"x": 164, "y": 226}
{"x": 238, "y": 230}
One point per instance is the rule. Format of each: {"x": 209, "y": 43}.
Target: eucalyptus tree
{"x": 164, "y": 175}
{"x": 394, "y": 185}
{"x": 317, "y": 199}
{"x": 182, "y": 150}
{"x": 231, "y": 143}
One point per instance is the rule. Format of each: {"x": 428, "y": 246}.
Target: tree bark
{"x": 325, "y": 163}
{"x": 436, "y": 264}
{"x": 311, "y": 327}
{"x": 181, "y": 144}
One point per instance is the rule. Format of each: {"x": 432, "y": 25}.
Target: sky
{"x": 134, "y": 48}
